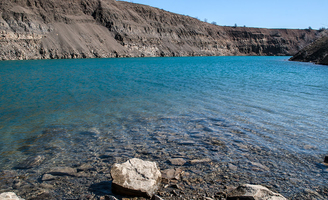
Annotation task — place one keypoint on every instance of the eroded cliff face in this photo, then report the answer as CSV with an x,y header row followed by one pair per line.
x,y
51,29
316,52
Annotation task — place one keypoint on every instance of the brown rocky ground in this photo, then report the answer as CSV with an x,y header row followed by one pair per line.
x,y
316,52
50,29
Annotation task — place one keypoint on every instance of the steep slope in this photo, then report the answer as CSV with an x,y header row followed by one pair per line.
x,y
48,29
316,52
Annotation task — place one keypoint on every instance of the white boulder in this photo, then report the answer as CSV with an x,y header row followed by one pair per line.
x,y
136,178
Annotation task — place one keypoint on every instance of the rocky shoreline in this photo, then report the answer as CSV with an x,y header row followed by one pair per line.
x,y
134,179
53,29
84,168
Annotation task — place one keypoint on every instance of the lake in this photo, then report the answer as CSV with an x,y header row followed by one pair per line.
x,y
264,115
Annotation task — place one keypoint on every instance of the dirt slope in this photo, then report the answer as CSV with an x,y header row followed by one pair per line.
x,y
48,29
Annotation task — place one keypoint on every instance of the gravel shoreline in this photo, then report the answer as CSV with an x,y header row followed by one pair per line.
x,y
77,166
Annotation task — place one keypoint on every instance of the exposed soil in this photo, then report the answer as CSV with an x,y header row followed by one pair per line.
x,y
53,29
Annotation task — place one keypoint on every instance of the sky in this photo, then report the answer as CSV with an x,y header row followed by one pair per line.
x,y
299,14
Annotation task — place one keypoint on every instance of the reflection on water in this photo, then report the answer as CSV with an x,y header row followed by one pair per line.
x,y
264,115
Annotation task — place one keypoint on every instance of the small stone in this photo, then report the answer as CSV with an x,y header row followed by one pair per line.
x,y
82,174
46,186
259,166
254,192
9,196
187,142
177,161
308,147
85,167
63,171
295,180
108,197
136,178
232,167
48,177
171,174
31,162
156,197
200,161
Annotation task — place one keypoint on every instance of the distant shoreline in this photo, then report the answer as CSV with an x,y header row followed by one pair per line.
x,y
122,29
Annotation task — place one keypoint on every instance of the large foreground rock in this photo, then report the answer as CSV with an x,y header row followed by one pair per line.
x,y
9,196
136,178
254,192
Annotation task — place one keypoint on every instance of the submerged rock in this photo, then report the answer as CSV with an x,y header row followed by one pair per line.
x,y
31,162
172,174
177,161
232,167
136,178
62,171
48,177
254,192
196,161
108,197
9,196
259,166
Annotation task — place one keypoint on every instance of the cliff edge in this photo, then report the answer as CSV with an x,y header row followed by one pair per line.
x,y
54,29
316,52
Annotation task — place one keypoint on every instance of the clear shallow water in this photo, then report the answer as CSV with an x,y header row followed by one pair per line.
x,y
231,109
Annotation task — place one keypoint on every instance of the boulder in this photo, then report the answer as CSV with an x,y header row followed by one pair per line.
x,y
253,192
136,178
9,196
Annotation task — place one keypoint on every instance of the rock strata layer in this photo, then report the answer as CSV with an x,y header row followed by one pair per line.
x,y
316,52
136,178
53,29
254,192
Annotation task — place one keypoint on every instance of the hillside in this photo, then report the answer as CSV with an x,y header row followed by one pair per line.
x,y
53,29
316,52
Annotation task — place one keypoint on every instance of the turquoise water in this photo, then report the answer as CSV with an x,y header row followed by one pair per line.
x,y
267,102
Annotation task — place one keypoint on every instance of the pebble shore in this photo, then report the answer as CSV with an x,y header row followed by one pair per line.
x,y
199,165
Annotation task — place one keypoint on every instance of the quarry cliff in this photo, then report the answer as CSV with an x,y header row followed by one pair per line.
x,y
55,29
316,52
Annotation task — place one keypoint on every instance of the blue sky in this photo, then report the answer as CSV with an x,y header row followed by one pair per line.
x,y
253,13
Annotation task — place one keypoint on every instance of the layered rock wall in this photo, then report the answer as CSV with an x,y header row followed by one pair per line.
x,y
316,52
53,29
